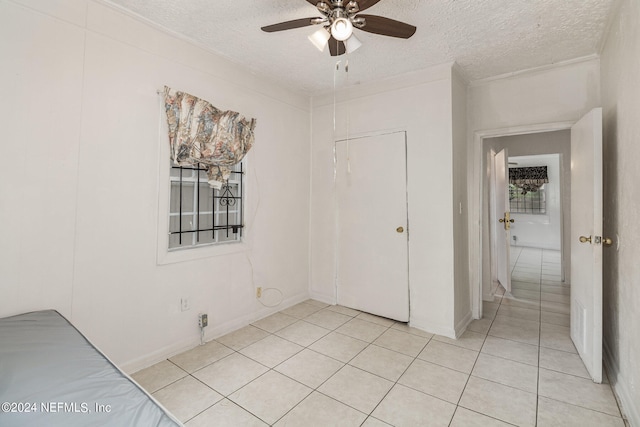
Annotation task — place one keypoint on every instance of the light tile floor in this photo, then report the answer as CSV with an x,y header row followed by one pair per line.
x,y
319,365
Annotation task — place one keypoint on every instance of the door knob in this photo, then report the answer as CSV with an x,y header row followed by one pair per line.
x,y
400,229
598,240
506,220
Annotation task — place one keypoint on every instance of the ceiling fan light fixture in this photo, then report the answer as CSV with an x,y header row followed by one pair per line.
x,y
320,39
341,29
352,43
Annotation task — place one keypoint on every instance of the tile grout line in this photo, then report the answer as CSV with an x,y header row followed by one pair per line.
x,y
396,381
473,367
347,363
372,342
367,416
269,369
190,374
316,389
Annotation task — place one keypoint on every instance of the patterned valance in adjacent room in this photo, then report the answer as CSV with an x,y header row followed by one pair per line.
x,y
199,133
529,179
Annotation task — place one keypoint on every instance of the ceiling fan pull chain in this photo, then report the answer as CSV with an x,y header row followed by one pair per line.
x,y
348,100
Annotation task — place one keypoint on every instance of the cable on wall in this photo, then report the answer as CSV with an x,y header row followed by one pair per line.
x,y
272,305
253,282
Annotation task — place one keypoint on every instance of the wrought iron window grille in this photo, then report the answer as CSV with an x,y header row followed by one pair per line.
x,y
225,209
530,202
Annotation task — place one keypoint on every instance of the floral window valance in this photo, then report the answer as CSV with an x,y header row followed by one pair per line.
x,y
201,133
528,179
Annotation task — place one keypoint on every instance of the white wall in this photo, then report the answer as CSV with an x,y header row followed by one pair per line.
x,y
80,181
527,102
620,89
462,304
420,104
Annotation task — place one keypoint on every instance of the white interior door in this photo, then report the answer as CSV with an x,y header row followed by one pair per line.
x,y
500,219
371,185
586,252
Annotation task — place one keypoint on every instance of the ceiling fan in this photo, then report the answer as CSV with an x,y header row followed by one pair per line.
x,y
338,20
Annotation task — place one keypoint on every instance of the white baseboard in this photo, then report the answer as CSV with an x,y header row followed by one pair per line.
x,y
461,326
432,328
488,297
620,387
159,355
537,245
327,299
211,334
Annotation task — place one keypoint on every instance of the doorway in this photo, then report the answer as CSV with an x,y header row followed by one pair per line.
x,y
583,313
538,220
541,218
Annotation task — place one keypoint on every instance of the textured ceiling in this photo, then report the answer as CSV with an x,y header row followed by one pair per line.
x,y
485,37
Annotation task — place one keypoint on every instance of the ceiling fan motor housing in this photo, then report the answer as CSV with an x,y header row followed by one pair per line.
x,y
338,7
337,14
339,17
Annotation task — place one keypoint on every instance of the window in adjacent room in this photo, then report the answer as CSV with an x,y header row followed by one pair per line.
x,y
527,202
200,215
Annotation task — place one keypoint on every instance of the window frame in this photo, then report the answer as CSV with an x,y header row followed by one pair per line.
x,y
542,191
164,255
194,182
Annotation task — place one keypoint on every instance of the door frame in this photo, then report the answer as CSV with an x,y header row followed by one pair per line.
x,y
477,216
493,243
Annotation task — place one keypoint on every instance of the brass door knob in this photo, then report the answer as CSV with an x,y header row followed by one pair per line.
x,y
584,239
502,220
607,241
400,229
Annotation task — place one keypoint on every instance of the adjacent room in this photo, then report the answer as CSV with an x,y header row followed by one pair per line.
x,y
306,212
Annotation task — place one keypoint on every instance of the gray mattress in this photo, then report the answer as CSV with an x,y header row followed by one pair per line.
x,y
51,375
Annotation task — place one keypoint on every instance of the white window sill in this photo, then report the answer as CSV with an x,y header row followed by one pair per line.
x,y
194,253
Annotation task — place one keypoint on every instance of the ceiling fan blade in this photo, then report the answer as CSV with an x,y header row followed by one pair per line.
x,y
387,27
362,4
288,25
336,48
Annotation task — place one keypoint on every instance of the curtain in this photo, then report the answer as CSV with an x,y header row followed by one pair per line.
x,y
199,133
528,179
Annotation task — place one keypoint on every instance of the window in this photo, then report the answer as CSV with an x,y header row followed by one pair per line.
x,y
200,215
531,202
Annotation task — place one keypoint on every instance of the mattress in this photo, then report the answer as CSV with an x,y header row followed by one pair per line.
x,y
51,375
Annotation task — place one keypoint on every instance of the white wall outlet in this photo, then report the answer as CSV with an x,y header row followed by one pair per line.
x,y
185,304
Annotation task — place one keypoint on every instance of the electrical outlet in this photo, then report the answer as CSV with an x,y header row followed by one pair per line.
x,y
259,292
184,304
203,320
